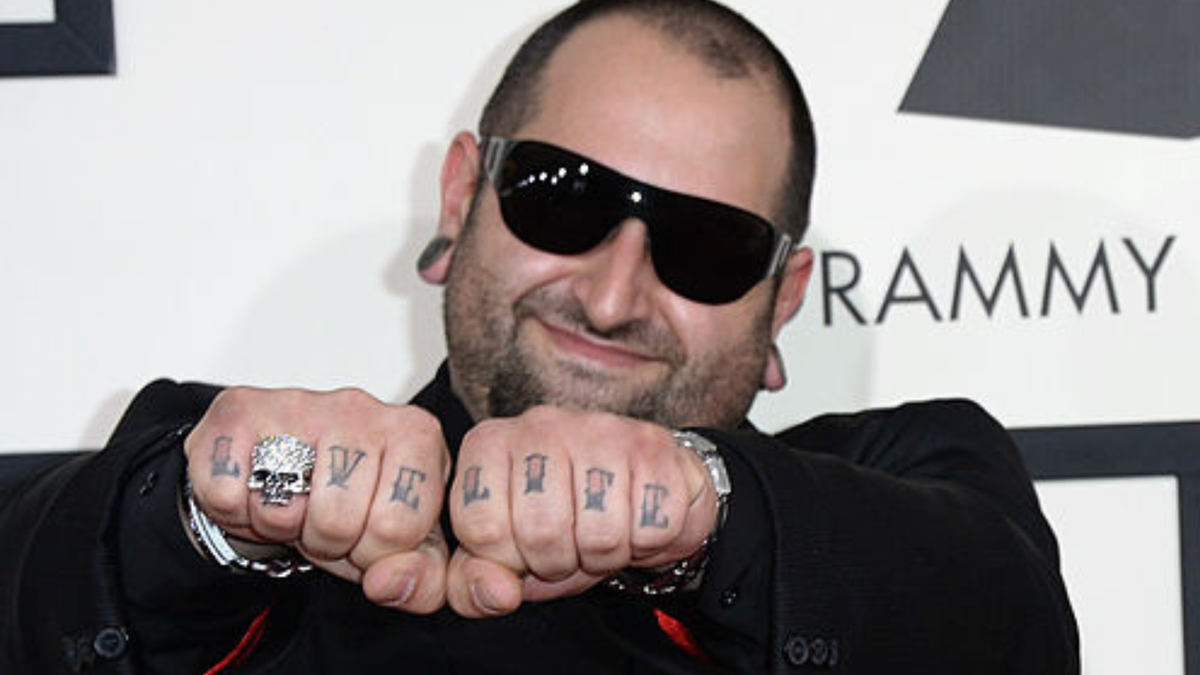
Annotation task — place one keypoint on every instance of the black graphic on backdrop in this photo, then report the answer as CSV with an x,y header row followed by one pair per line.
x,y
1115,65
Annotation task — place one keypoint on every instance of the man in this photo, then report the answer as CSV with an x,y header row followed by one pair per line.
x,y
577,490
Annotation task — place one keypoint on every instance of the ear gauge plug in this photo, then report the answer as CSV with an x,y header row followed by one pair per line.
x,y
433,252
774,374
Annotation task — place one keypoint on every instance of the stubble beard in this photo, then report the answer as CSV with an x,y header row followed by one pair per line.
x,y
497,374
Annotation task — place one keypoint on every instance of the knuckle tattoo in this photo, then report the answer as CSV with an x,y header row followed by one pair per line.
x,y
535,472
473,488
651,515
342,463
405,489
596,488
222,458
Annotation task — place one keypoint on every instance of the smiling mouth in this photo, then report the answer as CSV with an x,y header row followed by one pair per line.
x,y
578,346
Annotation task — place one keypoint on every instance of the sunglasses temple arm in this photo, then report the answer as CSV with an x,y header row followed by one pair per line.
x,y
495,150
783,249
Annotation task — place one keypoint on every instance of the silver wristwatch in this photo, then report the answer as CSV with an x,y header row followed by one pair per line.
x,y
215,545
683,574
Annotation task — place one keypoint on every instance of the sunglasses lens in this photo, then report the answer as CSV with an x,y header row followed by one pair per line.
x,y
709,253
550,202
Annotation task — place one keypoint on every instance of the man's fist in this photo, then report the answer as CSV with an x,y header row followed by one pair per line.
x,y
548,503
377,486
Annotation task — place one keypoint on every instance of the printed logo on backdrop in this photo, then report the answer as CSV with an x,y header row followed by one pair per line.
x,y
1115,65
1107,276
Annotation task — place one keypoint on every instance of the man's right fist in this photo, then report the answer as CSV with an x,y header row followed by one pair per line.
x,y
377,486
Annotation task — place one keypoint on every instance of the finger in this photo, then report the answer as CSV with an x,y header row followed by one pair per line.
x,y
537,590
408,490
658,502
218,454
278,487
480,509
343,484
218,462
343,569
413,581
543,512
477,587
602,507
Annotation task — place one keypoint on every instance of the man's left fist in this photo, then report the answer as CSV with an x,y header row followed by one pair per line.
x,y
551,502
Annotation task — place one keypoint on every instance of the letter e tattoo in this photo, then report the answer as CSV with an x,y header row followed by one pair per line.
x,y
652,496
403,488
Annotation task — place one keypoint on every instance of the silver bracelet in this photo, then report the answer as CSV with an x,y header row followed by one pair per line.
x,y
683,574
213,544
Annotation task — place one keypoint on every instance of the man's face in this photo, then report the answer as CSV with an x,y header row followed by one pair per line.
x,y
597,330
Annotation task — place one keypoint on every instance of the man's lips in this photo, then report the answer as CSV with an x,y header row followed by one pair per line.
x,y
606,353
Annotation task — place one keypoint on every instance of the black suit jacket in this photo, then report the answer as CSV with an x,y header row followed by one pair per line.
x,y
906,540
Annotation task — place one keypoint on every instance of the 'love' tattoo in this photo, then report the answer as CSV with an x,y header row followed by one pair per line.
x,y
222,458
404,489
535,472
598,482
473,491
341,464
652,495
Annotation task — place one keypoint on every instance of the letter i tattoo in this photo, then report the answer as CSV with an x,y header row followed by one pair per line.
x,y
535,473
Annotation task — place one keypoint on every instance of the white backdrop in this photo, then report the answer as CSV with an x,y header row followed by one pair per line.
x,y
243,202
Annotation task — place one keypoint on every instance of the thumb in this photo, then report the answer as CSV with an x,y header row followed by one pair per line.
x,y
413,581
477,587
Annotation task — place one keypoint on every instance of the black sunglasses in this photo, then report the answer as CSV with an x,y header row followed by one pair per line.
x,y
560,202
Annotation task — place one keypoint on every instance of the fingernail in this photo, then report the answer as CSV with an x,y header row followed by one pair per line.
x,y
433,251
483,599
403,586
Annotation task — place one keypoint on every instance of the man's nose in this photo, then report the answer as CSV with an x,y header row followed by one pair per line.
x,y
617,278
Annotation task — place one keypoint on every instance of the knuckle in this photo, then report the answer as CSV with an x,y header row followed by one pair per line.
x,y
233,398
220,503
280,523
353,403
394,532
601,540
322,549
542,528
482,533
484,434
541,414
331,526
417,419
353,397
412,425
651,539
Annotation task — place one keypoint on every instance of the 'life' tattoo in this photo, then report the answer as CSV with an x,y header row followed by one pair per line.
x,y
472,490
535,472
652,496
598,482
342,464
404,489
222,459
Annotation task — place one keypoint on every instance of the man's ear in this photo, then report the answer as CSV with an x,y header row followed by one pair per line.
x,y
792,286
460,176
